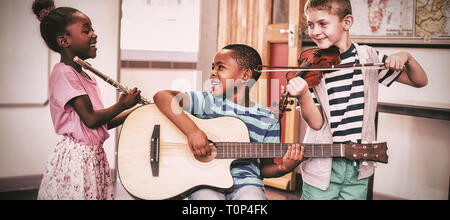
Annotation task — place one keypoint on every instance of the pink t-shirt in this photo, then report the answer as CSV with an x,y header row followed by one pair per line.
x,y
66,84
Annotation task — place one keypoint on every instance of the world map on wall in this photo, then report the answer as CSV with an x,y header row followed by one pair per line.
x,y
432,18
383,18
401,18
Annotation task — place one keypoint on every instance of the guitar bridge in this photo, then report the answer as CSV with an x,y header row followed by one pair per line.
x,y
154,150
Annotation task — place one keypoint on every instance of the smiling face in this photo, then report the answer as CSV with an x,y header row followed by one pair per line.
x,y
83,40
327,29
226,74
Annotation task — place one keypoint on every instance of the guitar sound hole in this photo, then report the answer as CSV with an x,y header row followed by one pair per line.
x,y
208,158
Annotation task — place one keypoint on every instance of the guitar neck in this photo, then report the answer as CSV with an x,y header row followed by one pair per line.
x,y
228,150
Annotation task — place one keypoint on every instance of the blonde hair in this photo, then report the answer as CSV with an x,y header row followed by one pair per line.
x,y
341,8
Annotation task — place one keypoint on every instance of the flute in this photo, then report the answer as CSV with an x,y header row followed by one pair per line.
x,y
107,79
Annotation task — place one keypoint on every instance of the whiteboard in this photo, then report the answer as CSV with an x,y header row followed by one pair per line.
x,y
26,81
160,25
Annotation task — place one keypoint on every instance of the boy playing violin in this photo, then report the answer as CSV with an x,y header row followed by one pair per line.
x,y
347,101
234,72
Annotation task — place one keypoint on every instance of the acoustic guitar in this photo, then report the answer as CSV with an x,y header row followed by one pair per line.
x,y
155,162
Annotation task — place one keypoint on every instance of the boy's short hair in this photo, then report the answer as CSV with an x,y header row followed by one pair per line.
x,y
247,58
341,8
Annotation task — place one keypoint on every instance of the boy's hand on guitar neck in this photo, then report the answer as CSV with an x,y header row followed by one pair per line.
x,y
198,143
292,158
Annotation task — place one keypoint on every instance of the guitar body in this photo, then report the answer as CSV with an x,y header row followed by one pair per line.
x,y
179,170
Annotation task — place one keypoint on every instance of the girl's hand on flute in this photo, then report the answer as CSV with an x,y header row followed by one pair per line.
x,y
130,99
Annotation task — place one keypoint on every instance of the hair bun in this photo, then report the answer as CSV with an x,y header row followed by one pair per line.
x,y
41,8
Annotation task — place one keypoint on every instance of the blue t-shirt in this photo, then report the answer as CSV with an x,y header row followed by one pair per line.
x,y
261,123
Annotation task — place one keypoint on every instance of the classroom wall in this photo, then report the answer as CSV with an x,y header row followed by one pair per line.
x,y
435,61
419,151
419,158
172,79
27,136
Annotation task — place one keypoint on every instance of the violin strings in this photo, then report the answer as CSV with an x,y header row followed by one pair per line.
x,y
324,69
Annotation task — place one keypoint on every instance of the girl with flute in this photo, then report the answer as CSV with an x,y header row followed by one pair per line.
x,y
77,168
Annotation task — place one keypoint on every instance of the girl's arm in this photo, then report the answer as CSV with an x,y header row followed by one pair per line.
x,y
96,118
414,75
118,120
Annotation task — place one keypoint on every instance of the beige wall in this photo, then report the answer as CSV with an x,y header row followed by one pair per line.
x,y
150,81
419,157
419,152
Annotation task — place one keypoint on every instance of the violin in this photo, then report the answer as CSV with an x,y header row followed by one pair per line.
x,y
314,58
313,64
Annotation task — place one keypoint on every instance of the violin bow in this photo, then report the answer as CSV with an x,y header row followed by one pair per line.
x,y
329,68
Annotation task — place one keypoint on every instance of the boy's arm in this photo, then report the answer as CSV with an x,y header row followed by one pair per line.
x,y
413,73
171,104
310,111
298,87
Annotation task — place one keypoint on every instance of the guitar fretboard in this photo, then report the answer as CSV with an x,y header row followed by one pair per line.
x,y
228,150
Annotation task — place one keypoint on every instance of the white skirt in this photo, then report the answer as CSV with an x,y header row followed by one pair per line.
x,y
76,172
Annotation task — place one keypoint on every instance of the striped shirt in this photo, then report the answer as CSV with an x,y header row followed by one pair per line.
x,y
261,123
345,89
